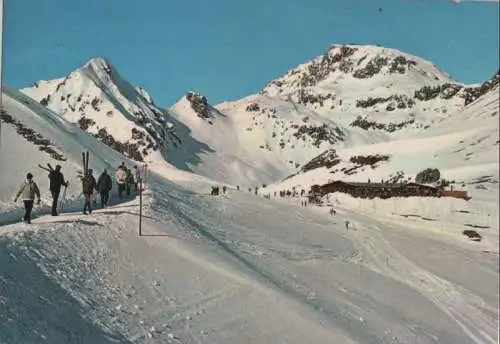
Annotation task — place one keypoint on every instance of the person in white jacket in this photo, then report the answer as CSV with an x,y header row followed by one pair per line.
x,y
29,190
121,178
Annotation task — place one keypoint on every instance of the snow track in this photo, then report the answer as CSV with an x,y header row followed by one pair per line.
x,y
474,316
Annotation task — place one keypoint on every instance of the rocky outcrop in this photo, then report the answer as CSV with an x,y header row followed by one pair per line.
x,y
366,124
44,145
364,160
132,150
372,68
471,94
444,91
428,176
253,107
307,97
318,71
399,101
199,104
85,123
400,64
328,159
320,134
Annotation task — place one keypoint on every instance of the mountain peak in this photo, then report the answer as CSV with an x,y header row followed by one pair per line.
x,y
99,63
356,63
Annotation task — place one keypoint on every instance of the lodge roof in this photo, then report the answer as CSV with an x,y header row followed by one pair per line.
x,y
380,185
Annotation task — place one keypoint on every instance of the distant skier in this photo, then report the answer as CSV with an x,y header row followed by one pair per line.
x,y
237,188
88,186
104,186
224,188
56,180
346,225
120,180
29,190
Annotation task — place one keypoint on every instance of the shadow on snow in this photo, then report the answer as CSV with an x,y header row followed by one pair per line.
x,y
35,309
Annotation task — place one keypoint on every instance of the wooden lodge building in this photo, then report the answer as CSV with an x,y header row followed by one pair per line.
x,y
382,190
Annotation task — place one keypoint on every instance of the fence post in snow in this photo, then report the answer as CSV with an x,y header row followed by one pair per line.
x,y
140,208
142,183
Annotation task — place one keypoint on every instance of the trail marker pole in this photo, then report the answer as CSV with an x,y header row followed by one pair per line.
x,y
140,208
142,184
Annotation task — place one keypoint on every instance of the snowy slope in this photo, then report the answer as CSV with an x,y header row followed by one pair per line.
x,y
231,269
209,271
257,139
464,147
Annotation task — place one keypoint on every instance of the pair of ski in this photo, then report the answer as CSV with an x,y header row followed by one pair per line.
x,y
85,161
63,198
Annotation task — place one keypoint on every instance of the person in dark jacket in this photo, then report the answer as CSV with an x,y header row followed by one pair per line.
x,y
56,179
129,180
88,186
28,190
104,186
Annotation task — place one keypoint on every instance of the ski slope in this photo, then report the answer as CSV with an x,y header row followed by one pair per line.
x,y
237,268
207,270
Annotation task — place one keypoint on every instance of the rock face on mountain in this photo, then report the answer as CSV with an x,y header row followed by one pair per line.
x,y
199,104
104,104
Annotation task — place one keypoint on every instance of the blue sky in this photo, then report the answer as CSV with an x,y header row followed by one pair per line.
x,y
227,49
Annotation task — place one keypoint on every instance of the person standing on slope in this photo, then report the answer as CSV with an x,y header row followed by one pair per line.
x,y
104,186
88,186
121,178
137,176
29,190
56,180
129,180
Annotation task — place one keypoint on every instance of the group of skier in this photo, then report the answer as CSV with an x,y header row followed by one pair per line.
x,y
125,179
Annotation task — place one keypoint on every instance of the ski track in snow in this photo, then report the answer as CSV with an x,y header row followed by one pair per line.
x,y
471,312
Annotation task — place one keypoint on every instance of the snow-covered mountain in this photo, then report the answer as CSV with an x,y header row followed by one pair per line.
x,y
101,102
238,268
350,96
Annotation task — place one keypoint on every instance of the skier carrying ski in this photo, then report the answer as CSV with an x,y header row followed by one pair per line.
x,y
137,175
104,186
129,180
29,190
120,180
88,186
56,180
